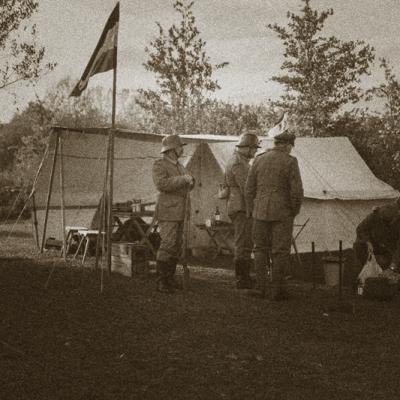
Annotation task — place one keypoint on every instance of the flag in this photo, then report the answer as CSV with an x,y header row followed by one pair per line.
x,y
104,56
280,126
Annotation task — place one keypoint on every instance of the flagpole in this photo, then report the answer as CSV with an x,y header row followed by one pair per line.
x,y
111,162
103,59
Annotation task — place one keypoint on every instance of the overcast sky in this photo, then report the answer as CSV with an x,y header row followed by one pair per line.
x,y
235,31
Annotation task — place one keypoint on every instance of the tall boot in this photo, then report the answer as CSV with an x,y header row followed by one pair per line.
x,y
248,282
240,278
261,276
171,275
279,292
163,284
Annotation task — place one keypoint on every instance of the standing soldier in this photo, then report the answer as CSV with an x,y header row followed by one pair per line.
x,y
274,192
174,184
235,178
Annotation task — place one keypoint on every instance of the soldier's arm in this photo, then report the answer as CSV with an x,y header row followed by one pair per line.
x,y
365,226
396,256
240,176
165,183
250,189
296,187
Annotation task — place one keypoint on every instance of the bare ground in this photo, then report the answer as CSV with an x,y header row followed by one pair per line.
x,y
71,341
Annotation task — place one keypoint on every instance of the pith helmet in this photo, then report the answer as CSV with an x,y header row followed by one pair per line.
x,y
285,138
248,139
171,142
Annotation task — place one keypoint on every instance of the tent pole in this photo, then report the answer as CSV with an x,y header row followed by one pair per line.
x,y
110,200
111,164
101,226
51,179
35,221
62,192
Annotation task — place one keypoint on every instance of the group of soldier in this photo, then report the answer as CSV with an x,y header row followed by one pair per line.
x,y
262,202
263,198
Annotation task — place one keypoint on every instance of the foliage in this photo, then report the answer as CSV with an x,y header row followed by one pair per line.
x,y
21,57
183,74
379,150
386,147
27,133
323,74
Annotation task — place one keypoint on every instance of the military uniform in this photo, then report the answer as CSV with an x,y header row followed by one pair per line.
x,y
274,194
170,179
382,229
235,178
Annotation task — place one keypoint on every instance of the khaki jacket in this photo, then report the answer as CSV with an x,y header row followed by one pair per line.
x,y
236,172
173,189
274,189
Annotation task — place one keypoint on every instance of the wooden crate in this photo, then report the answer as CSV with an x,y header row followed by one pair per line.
x,y
129,258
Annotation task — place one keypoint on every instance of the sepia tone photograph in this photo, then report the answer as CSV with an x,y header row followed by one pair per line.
x,y
199,199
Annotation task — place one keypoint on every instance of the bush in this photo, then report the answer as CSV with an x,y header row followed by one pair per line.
x,y
12,202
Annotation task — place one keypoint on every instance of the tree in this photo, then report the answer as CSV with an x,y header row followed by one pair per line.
x,y
183,73
389,92
28,131
386,147
21,57
323,74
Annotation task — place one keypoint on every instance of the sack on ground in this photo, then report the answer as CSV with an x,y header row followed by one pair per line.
x,y
392,276
379,288
371,269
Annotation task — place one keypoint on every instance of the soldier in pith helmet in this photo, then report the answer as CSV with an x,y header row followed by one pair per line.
x,y
235,178
174,184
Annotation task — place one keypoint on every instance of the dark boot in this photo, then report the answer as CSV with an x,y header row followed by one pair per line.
x,y
163,284
239,273
237,266
247,281
171,275
279,292
261,277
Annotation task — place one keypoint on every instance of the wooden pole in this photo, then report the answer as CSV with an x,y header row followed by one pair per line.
x,y
110,200
62,192
340,270
111,162
101,226
313,264
35,221
51,179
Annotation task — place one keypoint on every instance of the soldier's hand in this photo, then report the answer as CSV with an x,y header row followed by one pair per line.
x,y
189,179
393,267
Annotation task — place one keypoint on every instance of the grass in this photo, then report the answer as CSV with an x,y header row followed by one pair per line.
x,y
69,341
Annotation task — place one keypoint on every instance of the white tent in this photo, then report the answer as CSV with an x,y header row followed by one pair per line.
x,y
339,187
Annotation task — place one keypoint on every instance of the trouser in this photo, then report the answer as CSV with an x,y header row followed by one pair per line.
x,y
274,237
171,234
243,246
242,235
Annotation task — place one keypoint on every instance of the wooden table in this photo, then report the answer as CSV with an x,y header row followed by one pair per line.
x,y
219,233
129,214
86,235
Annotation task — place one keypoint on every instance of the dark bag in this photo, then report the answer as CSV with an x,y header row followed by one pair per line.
x,y
223,190
379,288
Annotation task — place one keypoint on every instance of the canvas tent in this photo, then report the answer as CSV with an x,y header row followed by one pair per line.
x,y
339,187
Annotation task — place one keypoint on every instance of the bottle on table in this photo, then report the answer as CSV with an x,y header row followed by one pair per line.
x,y
217,215
360,287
